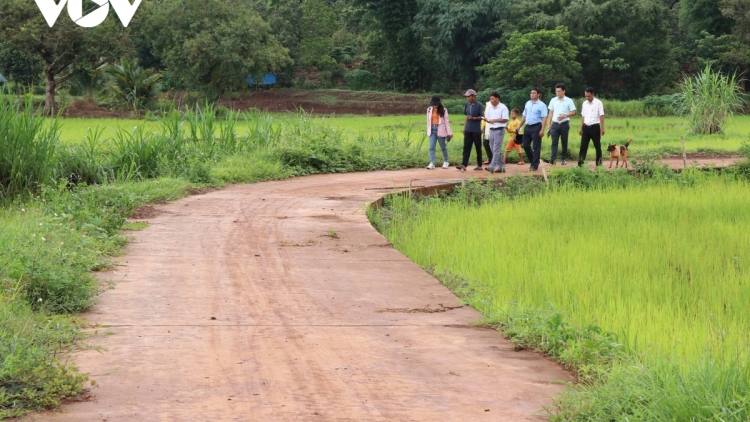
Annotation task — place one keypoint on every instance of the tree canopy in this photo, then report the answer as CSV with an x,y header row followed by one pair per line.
x,y
540,59
624,48
211,45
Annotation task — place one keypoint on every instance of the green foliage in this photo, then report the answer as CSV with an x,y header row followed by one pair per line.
x,y
65,48
19,66
49,244
360,80
32,375
541,58
633,38
709,100
27,149
133,85
211,45
88,84
401,59
318,25
700,16
461,34
656,389
662,105
326,152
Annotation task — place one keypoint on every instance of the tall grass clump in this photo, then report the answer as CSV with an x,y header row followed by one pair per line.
x,y
638,284
27,148
709,101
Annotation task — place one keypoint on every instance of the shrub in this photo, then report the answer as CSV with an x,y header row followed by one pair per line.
x,y
27,148
361,80
709,100
133,85
661,105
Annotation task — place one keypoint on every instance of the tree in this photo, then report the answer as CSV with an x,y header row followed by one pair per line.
x,y
132,84
402,61
65,48
318,26
20,67
731,52
211,45
637,58
542,59
700,16
461,33
284,17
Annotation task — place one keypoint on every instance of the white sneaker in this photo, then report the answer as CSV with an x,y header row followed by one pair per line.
x,y
446,164
431,166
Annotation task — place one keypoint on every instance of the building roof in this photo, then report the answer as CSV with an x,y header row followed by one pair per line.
x,y
2,79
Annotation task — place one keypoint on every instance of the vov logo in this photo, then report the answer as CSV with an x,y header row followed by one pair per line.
x,y
124,10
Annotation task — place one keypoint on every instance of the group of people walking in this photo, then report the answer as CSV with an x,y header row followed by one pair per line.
x,y
494,119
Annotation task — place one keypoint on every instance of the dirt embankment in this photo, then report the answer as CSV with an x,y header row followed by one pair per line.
x,y
283,100
330,102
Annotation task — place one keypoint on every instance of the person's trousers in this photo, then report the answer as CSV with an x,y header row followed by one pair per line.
x,y
496,139
559,131
532,144
434,139
487,145
475,139
590,133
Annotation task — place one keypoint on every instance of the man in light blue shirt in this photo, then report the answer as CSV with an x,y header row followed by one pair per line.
x,y
561,109
534,115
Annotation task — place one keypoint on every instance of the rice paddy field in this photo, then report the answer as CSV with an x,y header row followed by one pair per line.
x,y
659,271
667,267
650,134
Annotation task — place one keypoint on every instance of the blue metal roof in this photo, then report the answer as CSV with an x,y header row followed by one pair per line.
x,y
268,79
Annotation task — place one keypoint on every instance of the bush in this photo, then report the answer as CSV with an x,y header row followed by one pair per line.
x,y
709,100
662,105
132,85
27,148
361,80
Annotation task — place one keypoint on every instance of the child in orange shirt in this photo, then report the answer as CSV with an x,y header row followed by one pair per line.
x,y
513,127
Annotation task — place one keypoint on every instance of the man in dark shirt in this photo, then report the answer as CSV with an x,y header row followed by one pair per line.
x,y
472,129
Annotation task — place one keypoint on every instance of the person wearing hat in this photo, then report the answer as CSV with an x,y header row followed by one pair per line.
x,y
438,129
472,129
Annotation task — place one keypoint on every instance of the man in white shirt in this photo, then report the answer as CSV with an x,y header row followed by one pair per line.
x,y
561,109
592,127
496,116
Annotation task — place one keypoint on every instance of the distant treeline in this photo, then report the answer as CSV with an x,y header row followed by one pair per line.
x,y
626,49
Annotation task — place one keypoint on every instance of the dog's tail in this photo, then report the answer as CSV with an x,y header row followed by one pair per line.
x,y
627,144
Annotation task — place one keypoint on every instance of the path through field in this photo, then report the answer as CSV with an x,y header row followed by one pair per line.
x,y
238,305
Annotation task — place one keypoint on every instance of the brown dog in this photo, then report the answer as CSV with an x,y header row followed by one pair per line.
x,y
616,152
